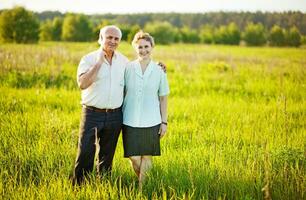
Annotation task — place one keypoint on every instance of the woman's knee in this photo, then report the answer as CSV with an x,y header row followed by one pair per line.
x,y
147,159
135,159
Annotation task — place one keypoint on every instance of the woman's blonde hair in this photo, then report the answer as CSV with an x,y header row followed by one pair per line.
x,y
143,35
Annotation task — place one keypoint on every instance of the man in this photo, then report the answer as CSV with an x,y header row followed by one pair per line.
x,y
100,76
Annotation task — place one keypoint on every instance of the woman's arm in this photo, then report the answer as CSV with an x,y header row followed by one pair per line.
x,y
163,111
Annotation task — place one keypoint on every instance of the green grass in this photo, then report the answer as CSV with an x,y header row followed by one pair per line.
x,y
236,125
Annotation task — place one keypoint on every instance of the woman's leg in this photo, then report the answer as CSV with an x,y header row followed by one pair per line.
x,y
136,162
145,165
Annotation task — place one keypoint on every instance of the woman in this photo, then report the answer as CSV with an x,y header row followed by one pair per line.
x,y
144,107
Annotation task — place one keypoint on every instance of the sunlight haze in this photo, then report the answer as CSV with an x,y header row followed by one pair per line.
x,y
138,6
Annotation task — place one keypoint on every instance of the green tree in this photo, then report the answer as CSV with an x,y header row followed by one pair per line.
x,y
163,32
293,37
6,27
227,34
233,34
189,36
133,31
125,29
96,30
18,25
195,21
51,30
303,40
277,36
57,25
46,29
207,34
76,28
220,36
254,34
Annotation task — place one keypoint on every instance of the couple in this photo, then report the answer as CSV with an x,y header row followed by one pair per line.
x,y
108,80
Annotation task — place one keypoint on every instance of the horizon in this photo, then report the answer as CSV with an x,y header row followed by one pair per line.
x,y
90,7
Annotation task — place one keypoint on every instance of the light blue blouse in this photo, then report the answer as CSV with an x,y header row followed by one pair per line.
x,y
141,106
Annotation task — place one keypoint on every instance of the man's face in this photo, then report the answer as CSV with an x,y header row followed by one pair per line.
x,y
111,40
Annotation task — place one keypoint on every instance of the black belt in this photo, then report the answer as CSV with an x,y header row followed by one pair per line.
x,y
104,110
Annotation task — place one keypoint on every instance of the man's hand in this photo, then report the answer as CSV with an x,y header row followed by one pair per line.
x,y
87,78
101,57
163,66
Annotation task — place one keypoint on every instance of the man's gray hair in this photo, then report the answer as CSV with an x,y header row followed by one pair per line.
x,y
103,32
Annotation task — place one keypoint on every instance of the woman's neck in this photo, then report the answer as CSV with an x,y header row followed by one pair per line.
x,y
144,62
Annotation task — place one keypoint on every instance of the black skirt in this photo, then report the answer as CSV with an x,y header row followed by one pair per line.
x,y
141,141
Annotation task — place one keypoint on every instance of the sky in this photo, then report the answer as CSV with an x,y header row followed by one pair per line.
x,y
142,6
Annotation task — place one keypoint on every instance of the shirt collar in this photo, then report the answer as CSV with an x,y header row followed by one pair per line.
x,y
115,54
148,69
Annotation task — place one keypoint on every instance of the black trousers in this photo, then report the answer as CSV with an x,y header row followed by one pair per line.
x,y
101,130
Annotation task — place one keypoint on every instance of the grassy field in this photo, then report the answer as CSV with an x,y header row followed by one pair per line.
x,y
237,125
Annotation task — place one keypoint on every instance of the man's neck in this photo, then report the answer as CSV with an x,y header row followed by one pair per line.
x,y
109,56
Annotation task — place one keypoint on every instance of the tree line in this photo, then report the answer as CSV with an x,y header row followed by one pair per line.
x,y
255,29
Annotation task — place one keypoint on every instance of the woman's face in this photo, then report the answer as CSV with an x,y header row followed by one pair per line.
x,y
143,49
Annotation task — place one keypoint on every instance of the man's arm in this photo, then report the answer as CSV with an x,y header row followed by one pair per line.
x,y
87,78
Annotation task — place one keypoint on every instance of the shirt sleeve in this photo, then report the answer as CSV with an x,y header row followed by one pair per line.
x,y
163,85
83,67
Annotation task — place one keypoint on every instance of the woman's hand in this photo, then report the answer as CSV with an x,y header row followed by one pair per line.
x,y
162,130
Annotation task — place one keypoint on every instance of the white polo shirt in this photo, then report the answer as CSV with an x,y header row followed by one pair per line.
x,y
107,90
141,106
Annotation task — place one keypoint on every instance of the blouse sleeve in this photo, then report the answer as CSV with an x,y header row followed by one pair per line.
x,y
163,85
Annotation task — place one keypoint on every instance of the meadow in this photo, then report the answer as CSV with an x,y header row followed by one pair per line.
x,y
237,125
